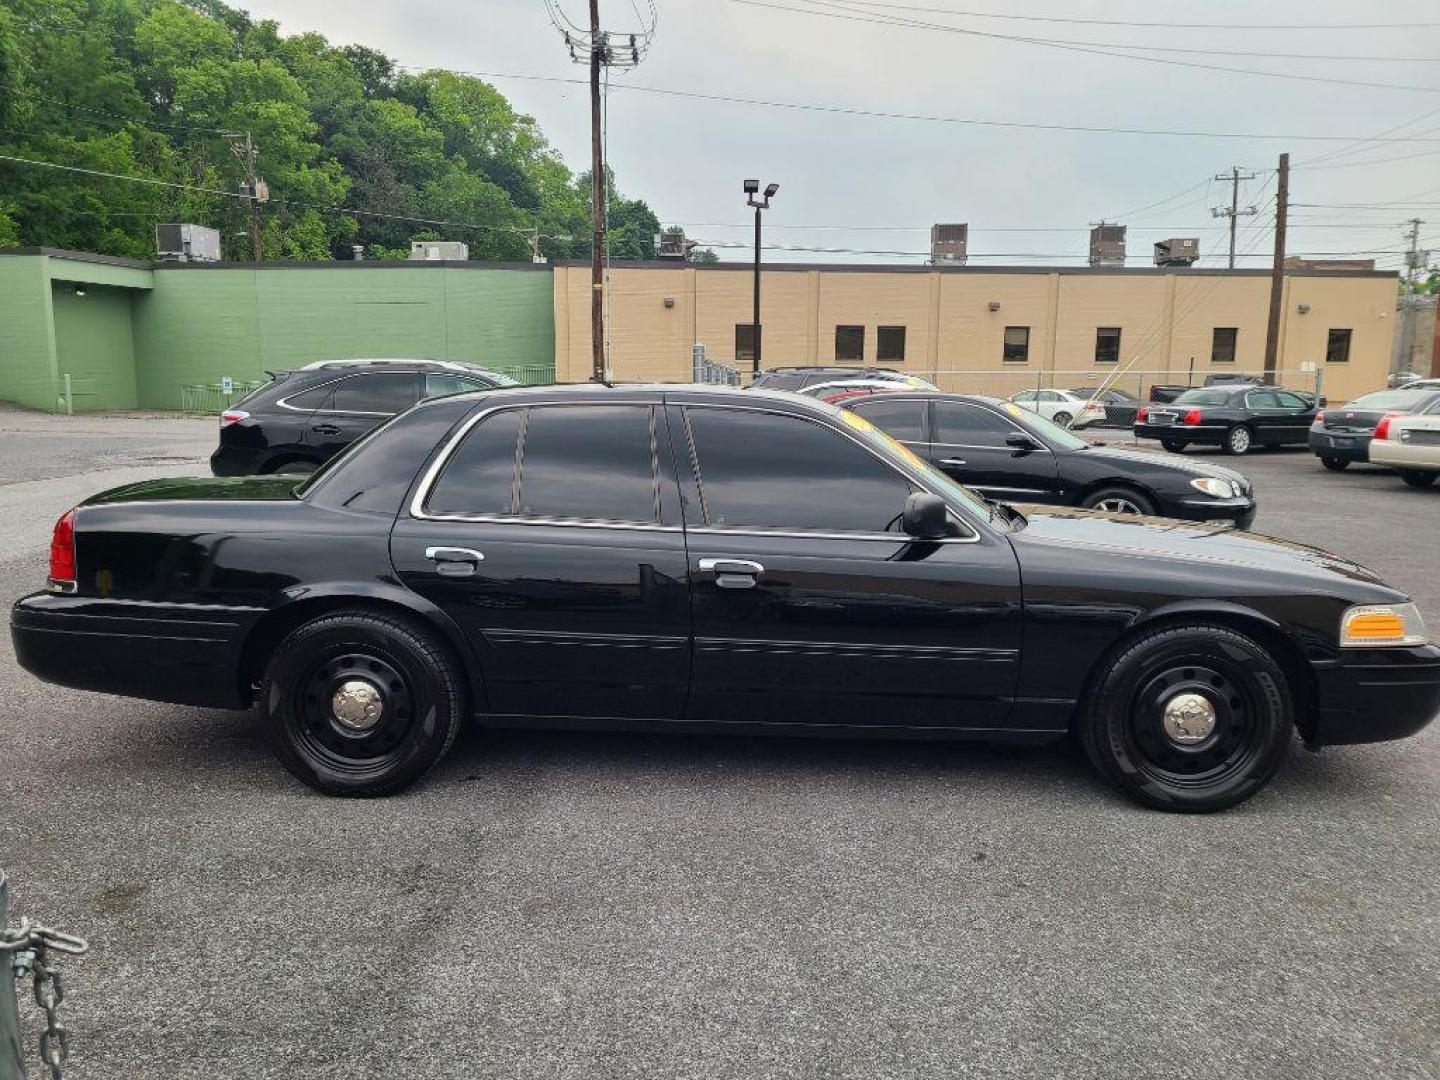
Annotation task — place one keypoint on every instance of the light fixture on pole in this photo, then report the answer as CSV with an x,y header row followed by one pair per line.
x,y
752,188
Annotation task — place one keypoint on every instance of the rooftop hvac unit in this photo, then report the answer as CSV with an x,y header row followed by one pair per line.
x,y
187,243
1179,251
948,244
439,251
1107,245
671,244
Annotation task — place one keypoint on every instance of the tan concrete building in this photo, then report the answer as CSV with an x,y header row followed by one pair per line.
x,y
988,329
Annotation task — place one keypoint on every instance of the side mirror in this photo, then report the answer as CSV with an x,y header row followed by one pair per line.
x,y
1021,441
926,517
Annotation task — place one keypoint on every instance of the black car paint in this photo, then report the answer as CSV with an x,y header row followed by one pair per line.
x,y
185,586
1344,432
1052,474
1271,426
276,434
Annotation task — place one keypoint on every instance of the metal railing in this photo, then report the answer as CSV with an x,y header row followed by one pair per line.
x,y
205,398
71,388
527,374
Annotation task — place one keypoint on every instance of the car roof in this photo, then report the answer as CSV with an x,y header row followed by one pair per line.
x,y
417,363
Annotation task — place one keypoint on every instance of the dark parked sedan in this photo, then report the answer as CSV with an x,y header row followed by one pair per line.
x,y
1342,434
1235,418
1009,453
798,378
301,419
1120,405
695,559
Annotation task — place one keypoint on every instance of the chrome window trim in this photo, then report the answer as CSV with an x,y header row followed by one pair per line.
x,y
284,402
436,467
908,474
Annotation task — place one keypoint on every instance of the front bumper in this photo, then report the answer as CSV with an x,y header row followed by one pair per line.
x,y
1345,447
1237,512
1372,695
183,654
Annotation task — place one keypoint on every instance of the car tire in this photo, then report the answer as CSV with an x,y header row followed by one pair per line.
x,y
1062,418
1418,478
1138,733
357,703
295,467
1335,464
1118,500
1239,440
1175,446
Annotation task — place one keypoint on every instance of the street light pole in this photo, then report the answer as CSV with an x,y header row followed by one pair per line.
x,y
752,187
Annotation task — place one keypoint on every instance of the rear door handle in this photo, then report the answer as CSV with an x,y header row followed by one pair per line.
x,y
732,573
325,429
954,462
454,561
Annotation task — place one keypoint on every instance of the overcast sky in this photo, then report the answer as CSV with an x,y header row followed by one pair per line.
x,y
687,157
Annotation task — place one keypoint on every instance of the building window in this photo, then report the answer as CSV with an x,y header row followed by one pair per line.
x,y
745,343
850,343
890,344
1017,345
1107,344
1222,344
1337,347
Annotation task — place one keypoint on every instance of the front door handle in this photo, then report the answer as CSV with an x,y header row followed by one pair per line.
x,y
953,462
454,561
325,429
732,573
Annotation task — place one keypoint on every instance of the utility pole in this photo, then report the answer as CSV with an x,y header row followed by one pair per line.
x,y
1234,210
591,46
1277,270
254,189
752,188
1415,261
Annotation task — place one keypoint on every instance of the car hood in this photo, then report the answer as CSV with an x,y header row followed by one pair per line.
x,y
1165,461
192,488
1223,552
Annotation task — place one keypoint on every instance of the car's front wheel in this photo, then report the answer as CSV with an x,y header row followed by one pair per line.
x,y
1190,718
1239,440
1118,500
357,703
1335,464
1418,478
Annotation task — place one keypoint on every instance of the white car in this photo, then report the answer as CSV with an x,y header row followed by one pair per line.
x,y
1410,445
1061,407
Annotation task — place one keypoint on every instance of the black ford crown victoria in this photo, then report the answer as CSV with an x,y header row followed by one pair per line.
x,y
702,559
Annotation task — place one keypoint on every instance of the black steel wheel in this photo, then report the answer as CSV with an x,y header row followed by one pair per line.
x,y
1175,446
1118,500
1063,419
1189,718
1418,478
1239,440
357,703
1335,464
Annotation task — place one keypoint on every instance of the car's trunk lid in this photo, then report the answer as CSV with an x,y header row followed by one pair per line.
x,y
202,488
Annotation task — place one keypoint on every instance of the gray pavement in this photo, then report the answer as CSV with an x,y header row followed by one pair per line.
x,y
564,905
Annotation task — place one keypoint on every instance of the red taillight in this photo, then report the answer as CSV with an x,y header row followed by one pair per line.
x,y
1320,417
1191,417
62,553
1140,416
1382,429
233,416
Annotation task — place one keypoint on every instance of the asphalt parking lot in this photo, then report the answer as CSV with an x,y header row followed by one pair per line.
x,y
567,905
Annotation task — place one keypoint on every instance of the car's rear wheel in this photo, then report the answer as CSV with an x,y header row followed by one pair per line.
x,y
1418,478
1238,440
357,703
1190,718
1118,500
1335,464
1175,446
1063,419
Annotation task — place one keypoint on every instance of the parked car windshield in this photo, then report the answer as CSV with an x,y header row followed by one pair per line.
x,y
1202,397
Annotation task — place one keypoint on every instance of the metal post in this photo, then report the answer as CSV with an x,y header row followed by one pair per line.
x,y
12,1051
69,395
755,321
597,202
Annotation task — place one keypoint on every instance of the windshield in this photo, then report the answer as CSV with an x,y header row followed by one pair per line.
x,y
1392,399
1202,397
1033,422
894,450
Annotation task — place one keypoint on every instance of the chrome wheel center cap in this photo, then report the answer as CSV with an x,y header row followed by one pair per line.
x,y
1189,718
357,705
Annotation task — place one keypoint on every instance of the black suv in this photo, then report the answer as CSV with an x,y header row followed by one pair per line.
x,y
301,419
798,378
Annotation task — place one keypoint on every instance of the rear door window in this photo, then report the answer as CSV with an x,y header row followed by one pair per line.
x,y
383,392
589,461
903,420
479,478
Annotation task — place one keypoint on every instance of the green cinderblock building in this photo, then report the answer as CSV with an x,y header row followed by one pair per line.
x,y
133,334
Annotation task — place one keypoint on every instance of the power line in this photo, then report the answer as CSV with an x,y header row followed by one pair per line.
x,y
850,15
119,117
843,110
1152,25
